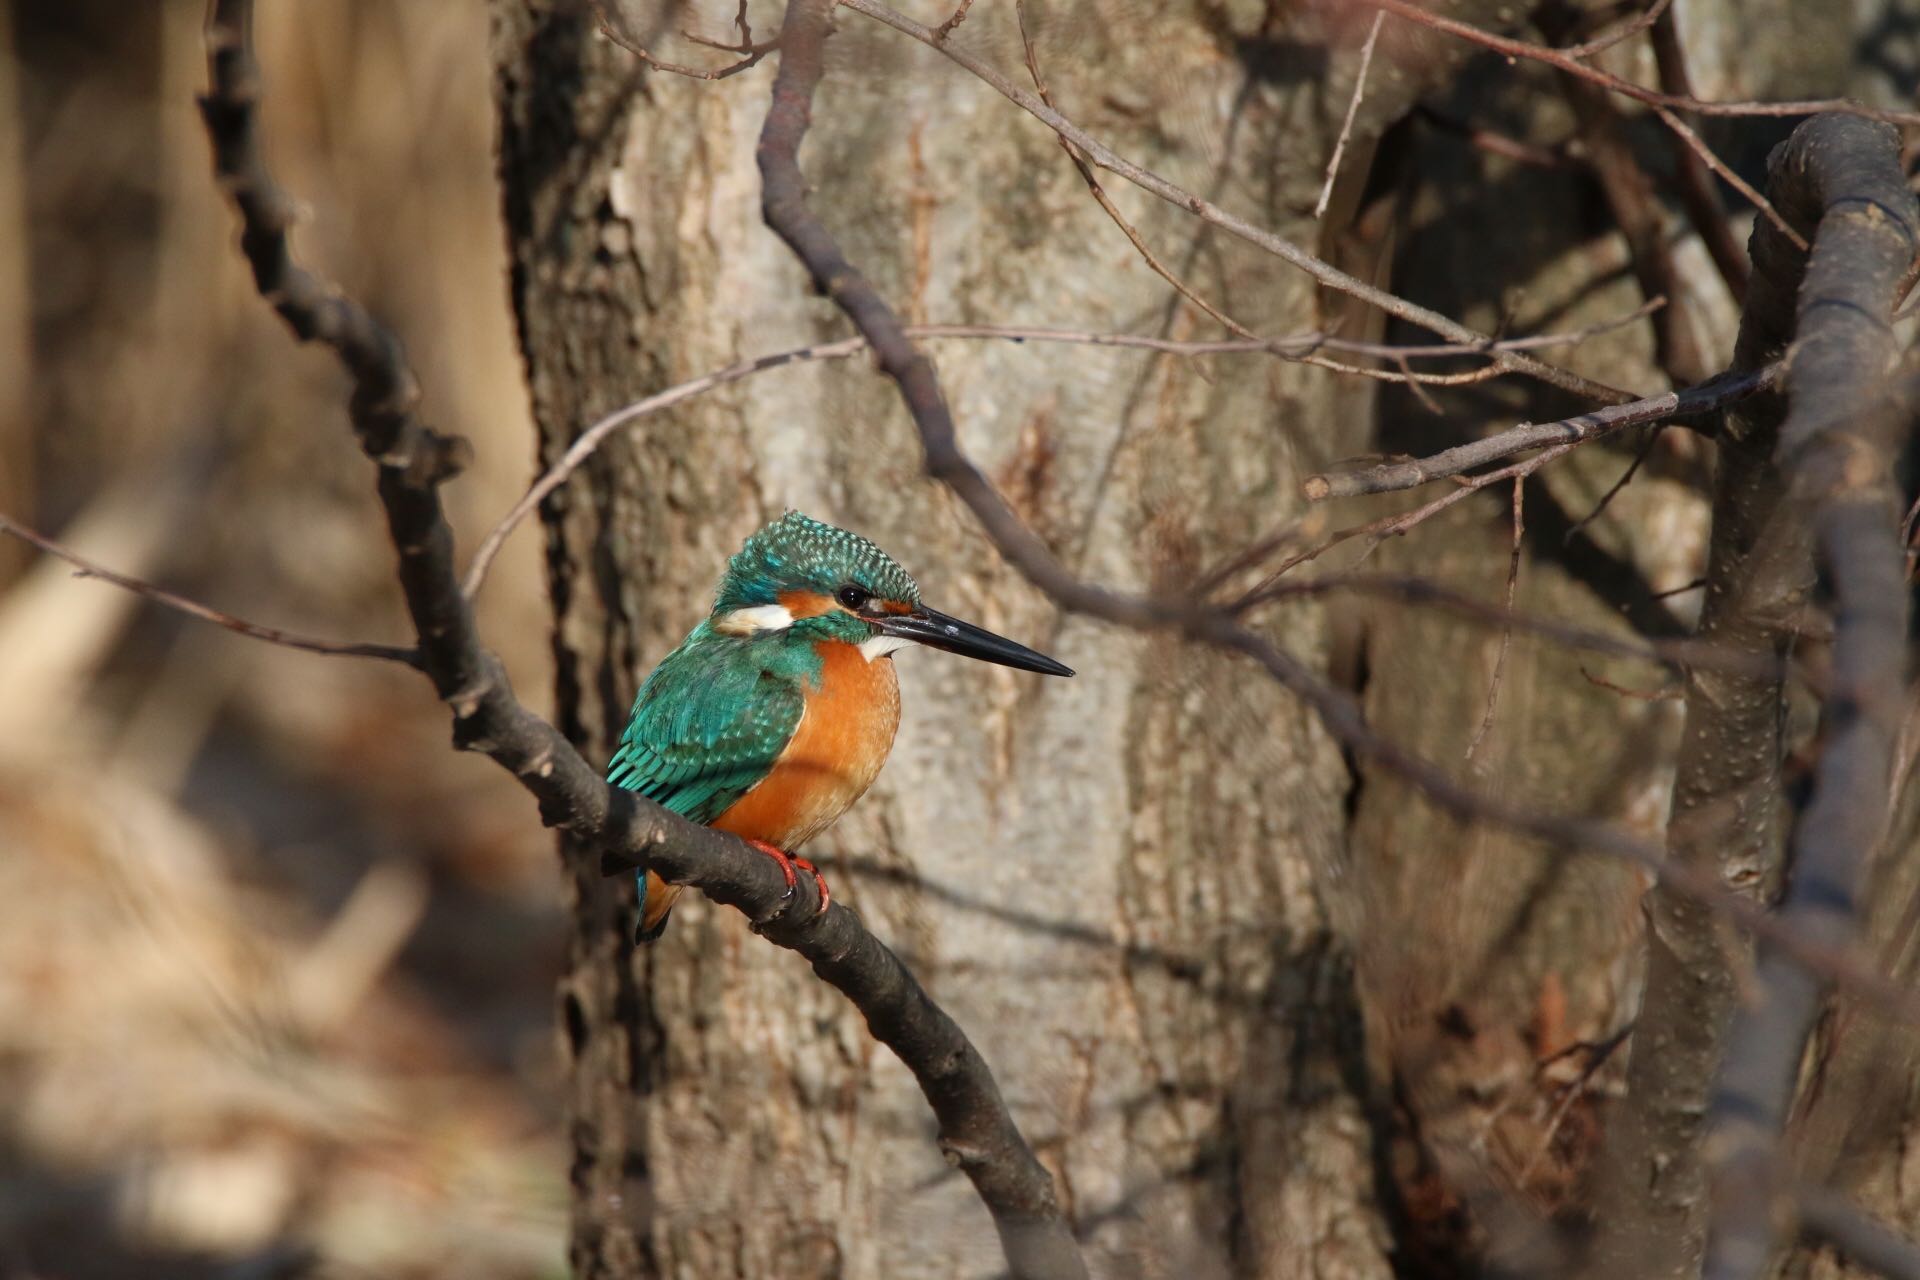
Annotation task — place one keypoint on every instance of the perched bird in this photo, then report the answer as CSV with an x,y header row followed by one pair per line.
x,y
776,712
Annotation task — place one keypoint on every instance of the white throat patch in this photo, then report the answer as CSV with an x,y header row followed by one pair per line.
x,y
752,621
880,646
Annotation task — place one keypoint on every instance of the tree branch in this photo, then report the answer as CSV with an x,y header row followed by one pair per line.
x,y
1837,461
1828,1217
1098,153
206,613
785,208
1568,60
413,461
1714,394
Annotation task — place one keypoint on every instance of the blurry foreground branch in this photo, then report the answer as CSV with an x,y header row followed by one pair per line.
x,y
1848,421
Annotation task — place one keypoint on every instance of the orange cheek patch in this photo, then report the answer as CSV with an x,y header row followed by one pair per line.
x,y
806,604
895,606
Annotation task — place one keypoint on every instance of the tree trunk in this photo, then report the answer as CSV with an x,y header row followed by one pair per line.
x,y
1114,883
1147,892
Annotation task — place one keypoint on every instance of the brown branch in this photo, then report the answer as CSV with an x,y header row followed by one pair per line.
x,y
615,30
1653,1204
1293,347
1099,154
1614,490
412,462
954,19
1625,31
1353,109
1698,196
1710,396
784,206
206,613
1506,633
1642,222
1016,1188
1566,61
1837,460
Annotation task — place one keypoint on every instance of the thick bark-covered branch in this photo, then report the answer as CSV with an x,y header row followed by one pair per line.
x,y
1727,809
1837,458
413,461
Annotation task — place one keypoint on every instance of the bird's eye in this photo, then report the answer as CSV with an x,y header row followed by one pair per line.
x,y
853,597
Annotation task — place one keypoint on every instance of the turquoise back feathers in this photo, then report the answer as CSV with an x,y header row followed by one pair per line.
x,y
710,721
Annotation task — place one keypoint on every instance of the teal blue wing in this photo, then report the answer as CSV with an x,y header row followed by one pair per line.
x,y
707,726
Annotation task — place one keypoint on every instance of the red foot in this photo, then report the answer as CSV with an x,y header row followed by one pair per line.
x,y
787,864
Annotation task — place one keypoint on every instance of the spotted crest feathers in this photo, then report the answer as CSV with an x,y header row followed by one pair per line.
x,y
797,551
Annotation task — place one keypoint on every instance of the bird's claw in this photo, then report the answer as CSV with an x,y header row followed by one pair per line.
x,y
788,863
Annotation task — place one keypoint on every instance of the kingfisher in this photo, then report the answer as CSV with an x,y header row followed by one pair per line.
x,y
776,712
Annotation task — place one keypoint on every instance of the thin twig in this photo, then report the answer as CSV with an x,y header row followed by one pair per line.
x,y
1641,218
1293,347
1698,194
954,19
206,613
1707,157
1106,158
1626,477
1711,395
1105,201
1625,31
1566,61
1506,633
1353,109
614,31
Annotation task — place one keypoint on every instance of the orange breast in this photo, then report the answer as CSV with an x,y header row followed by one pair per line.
x,y
837,750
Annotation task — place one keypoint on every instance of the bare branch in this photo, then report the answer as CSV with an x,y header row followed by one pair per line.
x,y
1293,347
1506,633
1353,109
1710,396
1625,31
1098,153
1837,460
615,30
1642,220
976,1131
1698,195
206,613
1017,1190
1568,61
785,208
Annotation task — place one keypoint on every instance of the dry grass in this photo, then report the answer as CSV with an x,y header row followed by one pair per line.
x,y
275,966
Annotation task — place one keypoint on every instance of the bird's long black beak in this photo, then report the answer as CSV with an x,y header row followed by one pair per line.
x,y
937,631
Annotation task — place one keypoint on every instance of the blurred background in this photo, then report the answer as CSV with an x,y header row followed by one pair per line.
x,y
276,968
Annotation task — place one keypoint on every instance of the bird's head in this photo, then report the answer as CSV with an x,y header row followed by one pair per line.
x,y
797,579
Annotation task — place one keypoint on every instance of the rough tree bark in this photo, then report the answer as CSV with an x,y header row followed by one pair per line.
x,y
1114,883
1139,891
